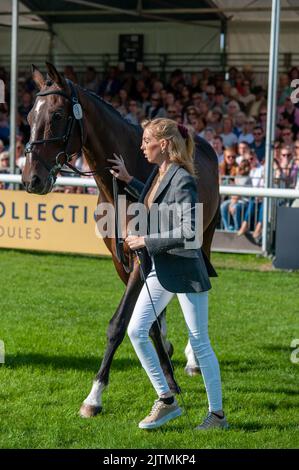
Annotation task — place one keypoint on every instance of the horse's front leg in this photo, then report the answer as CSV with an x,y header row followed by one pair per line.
x,y
116,331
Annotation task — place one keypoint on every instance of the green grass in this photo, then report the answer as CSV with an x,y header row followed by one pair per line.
x,y
54,315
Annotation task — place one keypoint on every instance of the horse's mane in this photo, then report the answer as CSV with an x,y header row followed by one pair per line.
x,y
111,108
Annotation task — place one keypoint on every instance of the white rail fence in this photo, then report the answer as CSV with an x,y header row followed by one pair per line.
x,y
224,190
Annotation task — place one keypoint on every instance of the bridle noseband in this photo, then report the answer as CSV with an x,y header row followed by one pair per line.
x,y
76,116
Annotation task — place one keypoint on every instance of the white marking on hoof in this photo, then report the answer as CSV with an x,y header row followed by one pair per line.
x,y
95,397
191,371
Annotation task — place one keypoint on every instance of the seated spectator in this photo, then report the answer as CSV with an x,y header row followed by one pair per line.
x,y
111,84
259,101
156,109
287,137
233,108
228,168
4,127
220,101
90,80
240,118
190,113
70,73
171,112
284,89
247,131
199,124
286,165
229,138
262,118
218,147
294,174
254,213
243,149
209,134
4,167
1,146
214,119
233,208
246,98
259,143
134,115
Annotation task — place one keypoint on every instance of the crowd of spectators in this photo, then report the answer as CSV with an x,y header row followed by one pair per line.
x,y
229,111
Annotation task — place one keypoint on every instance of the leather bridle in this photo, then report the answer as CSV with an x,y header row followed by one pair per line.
x,y
63,157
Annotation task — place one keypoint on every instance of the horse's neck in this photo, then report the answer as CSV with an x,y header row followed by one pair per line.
x,y
105,134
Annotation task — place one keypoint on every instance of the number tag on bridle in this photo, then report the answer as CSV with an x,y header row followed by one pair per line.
x,y
77,110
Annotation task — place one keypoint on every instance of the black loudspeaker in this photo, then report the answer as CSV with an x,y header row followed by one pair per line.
x,y
130,52
287,238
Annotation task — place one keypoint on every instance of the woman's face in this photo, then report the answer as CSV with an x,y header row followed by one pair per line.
x,y
152,147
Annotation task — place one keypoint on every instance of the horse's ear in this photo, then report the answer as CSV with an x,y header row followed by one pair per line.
x,y
37,76
55,75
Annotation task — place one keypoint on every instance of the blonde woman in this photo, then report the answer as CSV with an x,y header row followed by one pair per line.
x,y
174,269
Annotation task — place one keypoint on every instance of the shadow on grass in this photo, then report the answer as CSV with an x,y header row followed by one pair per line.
x,y
88,363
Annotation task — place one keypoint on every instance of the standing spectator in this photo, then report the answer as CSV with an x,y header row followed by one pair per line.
x,y
228,137
259,143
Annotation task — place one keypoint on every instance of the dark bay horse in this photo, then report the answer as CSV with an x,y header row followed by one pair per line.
x,y
59,129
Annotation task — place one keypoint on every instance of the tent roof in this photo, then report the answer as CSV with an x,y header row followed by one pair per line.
x,y
37,13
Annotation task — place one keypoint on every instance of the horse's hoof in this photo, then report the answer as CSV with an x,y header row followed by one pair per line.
x,y
89,411
191,371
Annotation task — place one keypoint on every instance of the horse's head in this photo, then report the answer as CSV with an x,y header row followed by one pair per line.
x,y
54,137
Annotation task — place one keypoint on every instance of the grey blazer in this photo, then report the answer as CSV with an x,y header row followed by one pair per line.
x,y
178,269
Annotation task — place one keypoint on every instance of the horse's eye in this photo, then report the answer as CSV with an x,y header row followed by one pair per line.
x,y
56,117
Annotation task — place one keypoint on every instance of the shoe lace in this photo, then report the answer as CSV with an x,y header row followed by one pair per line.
x,y
156,406
209,419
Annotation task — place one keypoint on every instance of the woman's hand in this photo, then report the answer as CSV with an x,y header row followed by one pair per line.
x,y
119,169
135,242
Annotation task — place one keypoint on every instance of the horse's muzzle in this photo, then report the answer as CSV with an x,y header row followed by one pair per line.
x,y
37,186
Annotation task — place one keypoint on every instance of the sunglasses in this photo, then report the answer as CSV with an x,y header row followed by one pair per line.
x,y
257,133
286,154
231,156
263,114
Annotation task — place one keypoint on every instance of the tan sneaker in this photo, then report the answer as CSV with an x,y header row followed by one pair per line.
x,y
160,414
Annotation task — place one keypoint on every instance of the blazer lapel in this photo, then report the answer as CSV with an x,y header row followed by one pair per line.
x,y
166,180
